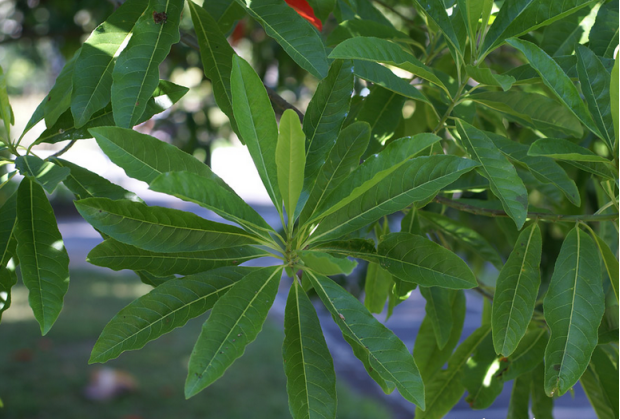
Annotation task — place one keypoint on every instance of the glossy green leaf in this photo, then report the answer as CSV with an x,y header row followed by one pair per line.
x,y
216,55
6,112
376,288
555,79
343,158
604,33
136,72
159,229
564,150
295,34
387,354
290,161
92,78
574,306
502,176
415,259
225,12
144,157
382,51
465,235
235,321
209,193
486,77
518,17
384,77
43,260
166,307
520,398
257,124
119,256
445,388
45,173
311,380
480,375
382,110
326,264
609,260
595,82
59,98
418,179
516,291
326,112
439,312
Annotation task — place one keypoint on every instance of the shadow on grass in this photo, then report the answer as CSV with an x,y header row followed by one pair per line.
x,y
46,376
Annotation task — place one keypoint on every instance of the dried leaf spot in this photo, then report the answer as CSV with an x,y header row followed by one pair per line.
x,y
160,18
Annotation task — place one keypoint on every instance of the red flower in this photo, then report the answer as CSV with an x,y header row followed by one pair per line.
x,y
305,11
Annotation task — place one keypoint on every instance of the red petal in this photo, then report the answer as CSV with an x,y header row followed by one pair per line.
x,y
305,11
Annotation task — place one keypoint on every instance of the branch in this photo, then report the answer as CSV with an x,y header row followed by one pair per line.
x,y
532,215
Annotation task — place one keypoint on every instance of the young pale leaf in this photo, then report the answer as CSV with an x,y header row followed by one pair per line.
x,y
485,76
564,150
290,161
445,388
42,256
418,179
604,33
376,288
216,55
387,354
326,264
59,98
516,291
235,321
555,79
136,72
518,407
45,173
439,312
119,256
311,380
502,175
210,194
6,112
384,77
92,78
385,52
415,259
168,306
326,112
257,124
296,36
159,229
574,306
595,82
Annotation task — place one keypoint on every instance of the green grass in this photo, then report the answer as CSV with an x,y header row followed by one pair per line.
x,y
46,376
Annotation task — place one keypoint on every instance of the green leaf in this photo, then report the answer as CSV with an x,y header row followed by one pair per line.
x,y
42,256
528,354
595,82
6,112
542,405
210,194
159,229
85,184
561,37
418,179
531,110
290,161
136,73
613,95
516,291
564,150
374,169
366,358
166,307
445,388
472,11
216,55
480,376
604,33
343,158
519,17
486,77
322,8
387,354
573,306
382,110
356,248
382,51
376,288
45,173
295,34
8,220
326,112
59,98
520,398
384,77
235,321
92,78
8,279
311,380
119,256
439,312
502,175
144,157
363,27
610,261
555,79
326,264
435,10
152,280
415,259
225,12
600,381
465,235
544,169
257,124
